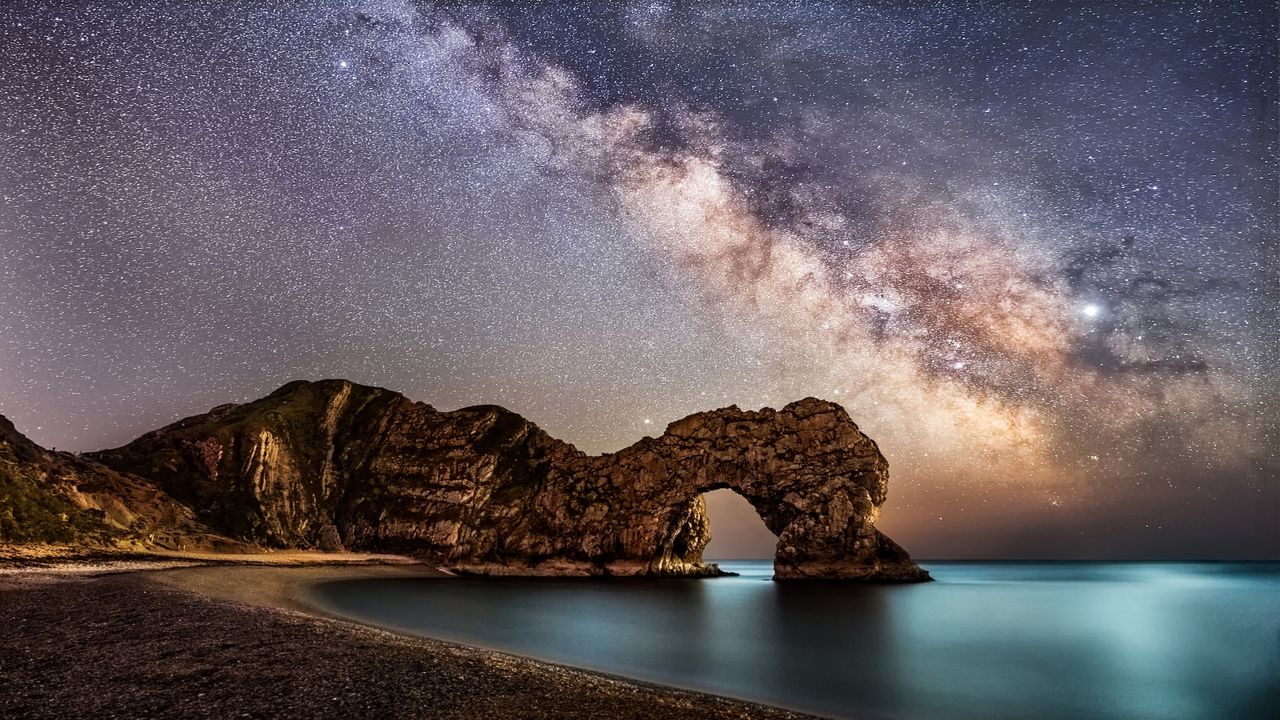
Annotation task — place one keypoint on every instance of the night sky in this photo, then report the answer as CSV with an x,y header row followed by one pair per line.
x,y
1031,247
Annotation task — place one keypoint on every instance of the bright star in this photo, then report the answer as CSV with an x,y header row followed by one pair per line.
x,y
344,64
1091,310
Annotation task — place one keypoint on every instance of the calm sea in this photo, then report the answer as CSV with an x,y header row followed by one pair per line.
x,y
987,640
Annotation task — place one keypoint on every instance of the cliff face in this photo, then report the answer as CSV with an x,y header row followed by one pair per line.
x,y
52,497
481,489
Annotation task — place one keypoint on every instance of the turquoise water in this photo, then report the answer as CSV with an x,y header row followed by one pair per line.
x,y
987,640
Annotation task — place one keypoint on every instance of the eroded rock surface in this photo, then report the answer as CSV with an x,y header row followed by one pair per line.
x,y
63,498
483,490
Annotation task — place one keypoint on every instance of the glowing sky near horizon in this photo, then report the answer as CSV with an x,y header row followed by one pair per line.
x,y
1032,248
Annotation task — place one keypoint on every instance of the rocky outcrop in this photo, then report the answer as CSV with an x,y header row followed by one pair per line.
x,y
333,464
53,497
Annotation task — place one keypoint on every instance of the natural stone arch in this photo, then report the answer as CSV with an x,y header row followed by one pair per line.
x,y
484,490
815,480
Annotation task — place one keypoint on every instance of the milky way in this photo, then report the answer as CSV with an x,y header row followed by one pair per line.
x,y
1031,248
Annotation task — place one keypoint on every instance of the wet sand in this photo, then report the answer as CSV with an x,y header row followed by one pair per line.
x,y
218,641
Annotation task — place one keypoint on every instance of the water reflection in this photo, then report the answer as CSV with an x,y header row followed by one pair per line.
x,y
1044,640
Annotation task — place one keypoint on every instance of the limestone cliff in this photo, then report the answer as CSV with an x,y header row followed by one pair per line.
x,y
481,489
53,497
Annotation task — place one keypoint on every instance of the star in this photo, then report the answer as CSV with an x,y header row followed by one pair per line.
x,y
586,216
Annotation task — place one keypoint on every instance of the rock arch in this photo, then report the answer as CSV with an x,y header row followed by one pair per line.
x,y
816,481
484,490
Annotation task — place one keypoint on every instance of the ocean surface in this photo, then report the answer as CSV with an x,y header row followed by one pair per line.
x,y
987,640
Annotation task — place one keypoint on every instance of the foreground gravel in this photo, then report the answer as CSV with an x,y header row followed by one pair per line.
x,y
121,646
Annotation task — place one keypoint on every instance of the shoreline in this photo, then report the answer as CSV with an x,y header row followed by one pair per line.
x,y
241,632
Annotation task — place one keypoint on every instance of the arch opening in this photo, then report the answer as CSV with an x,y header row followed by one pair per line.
x,y
737,530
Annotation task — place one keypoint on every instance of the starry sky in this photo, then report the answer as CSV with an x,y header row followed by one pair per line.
x,y
1030,246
